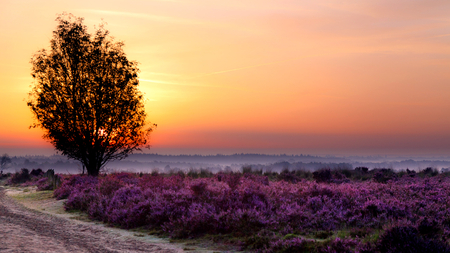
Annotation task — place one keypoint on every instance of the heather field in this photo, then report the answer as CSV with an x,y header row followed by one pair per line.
x,y
293,211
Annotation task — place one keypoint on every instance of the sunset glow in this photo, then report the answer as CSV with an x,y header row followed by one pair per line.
x,y
315,77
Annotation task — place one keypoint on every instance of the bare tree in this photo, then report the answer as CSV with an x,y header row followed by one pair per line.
x,y
85,96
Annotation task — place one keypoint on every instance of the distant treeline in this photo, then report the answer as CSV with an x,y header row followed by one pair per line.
x,y
235,162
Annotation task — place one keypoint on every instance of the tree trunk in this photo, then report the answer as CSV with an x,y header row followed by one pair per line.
x,y
92,171
93,168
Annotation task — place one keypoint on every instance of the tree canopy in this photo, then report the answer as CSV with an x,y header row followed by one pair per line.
x,y
85,96
4,161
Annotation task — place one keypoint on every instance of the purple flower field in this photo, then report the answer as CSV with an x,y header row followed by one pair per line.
x,y
387,212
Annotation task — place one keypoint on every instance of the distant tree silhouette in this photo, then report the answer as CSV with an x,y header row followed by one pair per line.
x,y
85,96
4,161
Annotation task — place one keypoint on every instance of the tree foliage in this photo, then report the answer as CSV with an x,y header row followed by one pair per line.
x,y
85,95
4,161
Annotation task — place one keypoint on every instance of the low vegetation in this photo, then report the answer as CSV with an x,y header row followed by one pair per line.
x,y
42,180
339,210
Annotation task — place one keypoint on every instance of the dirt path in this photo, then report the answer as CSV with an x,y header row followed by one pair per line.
x,y
25,230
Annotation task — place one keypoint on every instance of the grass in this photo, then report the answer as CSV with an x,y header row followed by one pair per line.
x,y
29,195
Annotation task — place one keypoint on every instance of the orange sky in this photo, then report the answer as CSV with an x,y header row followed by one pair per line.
x,y
316,77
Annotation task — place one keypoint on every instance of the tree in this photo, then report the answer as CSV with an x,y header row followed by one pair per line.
x,y
4,161
85,96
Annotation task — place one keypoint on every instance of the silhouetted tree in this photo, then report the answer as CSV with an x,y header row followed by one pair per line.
x,y
85,96
4,161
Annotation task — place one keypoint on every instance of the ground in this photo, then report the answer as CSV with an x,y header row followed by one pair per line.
x,y
25,229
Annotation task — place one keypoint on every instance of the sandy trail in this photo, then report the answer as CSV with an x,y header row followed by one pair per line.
x,y
26,230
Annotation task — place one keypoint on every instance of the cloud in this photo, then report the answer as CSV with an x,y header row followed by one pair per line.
x,y
163,74
235,69
158,18
442,35
158,81
182,84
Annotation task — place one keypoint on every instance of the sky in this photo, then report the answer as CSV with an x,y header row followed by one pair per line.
x,y
257,76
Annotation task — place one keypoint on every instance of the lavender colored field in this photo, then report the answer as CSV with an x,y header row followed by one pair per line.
x,y
290,212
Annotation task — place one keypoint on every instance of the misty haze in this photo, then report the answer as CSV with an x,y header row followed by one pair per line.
x,y
148,163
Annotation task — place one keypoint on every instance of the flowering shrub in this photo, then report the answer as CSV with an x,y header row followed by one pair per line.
x,y
408,239
71,183
36,177
290,245
339,245
275,216
323,175
43,184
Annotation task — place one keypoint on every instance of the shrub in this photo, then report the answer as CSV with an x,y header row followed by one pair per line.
x,y
407,239
322,176
43,184
431,172
81,198
362,169
71,183
304,174
128,207
109,185
261,240
202,173
289,176
247,169
339,245
36,172
20,177
429,228
271,216
411,173
7,175
291,245
384,175
233,180
198,187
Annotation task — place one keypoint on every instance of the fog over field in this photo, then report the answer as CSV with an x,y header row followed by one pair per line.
x,y
216,163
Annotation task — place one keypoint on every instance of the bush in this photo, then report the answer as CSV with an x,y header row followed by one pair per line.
x,y
232,180
73,182
431,172
20,177
411,173
43,184
272,216
430,229
289,176
7,175
291,245
36,172
384,175
322,176
108,186
401,239
362,170
339,245
198,187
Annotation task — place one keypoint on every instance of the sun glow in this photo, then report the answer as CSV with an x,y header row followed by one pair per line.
x,y
248,74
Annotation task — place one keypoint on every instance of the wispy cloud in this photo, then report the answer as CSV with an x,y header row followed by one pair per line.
x,y
158,81
259,65
241,68
442,35
163,74
235,69
182,84
159,18
189,84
